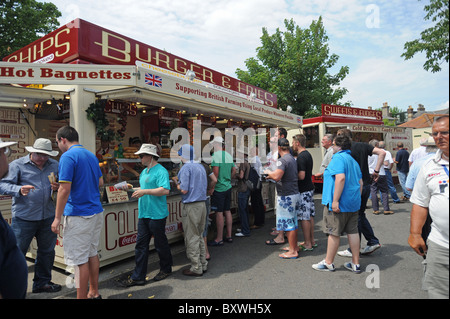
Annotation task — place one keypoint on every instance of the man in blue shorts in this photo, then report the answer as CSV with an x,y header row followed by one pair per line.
x,y
79,201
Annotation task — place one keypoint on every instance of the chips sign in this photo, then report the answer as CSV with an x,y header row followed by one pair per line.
x,y
83,42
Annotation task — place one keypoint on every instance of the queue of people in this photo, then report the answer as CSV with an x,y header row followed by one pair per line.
x,y
352,173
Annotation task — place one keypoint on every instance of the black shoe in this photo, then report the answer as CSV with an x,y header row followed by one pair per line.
x,y
50,287
161,275
131,282
188,272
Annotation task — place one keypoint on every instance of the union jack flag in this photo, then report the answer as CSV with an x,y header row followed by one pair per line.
x,y
153,80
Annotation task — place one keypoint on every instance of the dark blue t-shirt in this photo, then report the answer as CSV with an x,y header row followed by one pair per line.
x,y
402,159
13,267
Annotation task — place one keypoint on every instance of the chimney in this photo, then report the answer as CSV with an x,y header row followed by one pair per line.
x,y
385,110
421,108
410,113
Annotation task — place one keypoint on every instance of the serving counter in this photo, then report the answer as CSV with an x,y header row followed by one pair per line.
x,y
119,233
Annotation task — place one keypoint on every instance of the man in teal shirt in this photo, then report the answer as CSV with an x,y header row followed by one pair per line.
x,y
153,212
224,169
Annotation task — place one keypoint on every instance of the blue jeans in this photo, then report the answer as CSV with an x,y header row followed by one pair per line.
x,y
364,226
243,212
391,186
25,230
402,178
146,229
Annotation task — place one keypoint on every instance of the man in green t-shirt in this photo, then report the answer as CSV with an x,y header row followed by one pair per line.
x,y
224,169
153,212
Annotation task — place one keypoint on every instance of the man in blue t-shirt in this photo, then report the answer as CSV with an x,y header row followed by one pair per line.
x,y
401,159
341,195
79,201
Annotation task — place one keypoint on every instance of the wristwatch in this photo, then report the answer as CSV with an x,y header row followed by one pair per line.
x,y
375,171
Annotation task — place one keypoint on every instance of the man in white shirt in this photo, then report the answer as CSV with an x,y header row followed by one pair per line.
x,y
379,184
419,152
388,163
327,142
431,194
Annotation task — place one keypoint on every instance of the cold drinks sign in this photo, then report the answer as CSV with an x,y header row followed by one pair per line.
x,y
84,42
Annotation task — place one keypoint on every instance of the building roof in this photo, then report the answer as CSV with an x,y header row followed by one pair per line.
x,y
424,120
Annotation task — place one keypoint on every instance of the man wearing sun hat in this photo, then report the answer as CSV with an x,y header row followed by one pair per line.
x,y
33,209
153,212
13,267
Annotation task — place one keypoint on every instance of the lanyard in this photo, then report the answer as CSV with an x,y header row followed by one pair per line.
x,y
445,169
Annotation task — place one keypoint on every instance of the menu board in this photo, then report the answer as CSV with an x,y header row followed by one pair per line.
x,y
116,195
15,128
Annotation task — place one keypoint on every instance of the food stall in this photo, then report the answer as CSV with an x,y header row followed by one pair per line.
x,y
365,124
140,90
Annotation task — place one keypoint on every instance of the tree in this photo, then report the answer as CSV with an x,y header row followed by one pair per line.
x,y
23,22
294,65
433,41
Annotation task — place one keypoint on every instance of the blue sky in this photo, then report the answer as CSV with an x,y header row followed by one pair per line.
x,y
368,36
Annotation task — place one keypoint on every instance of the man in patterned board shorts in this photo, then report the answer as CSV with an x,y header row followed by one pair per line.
x,y
288,197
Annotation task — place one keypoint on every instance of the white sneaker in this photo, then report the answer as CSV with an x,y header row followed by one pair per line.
x,y
345,253
353,268
240,234
370,249
323,266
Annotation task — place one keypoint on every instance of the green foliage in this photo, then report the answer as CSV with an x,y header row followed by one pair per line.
x,y
434,41
294,65
23,22
96,113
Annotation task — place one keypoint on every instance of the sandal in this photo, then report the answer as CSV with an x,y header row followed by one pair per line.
x,y
215,243
303,243
273,242
287,249
228,240
284,256
303,248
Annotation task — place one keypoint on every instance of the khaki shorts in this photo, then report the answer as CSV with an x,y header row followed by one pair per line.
x,y
339,224
81,238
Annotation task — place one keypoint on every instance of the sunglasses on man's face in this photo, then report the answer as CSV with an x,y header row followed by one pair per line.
x,y
6,151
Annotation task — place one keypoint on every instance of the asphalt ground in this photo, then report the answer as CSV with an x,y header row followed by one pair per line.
x,y
251,270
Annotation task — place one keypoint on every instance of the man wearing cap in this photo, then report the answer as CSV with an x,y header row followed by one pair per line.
x,y
192,183
224,169
153,212
13,267
33,209
288,198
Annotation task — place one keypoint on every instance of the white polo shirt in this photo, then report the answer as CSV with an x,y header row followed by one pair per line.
x,y
431,190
